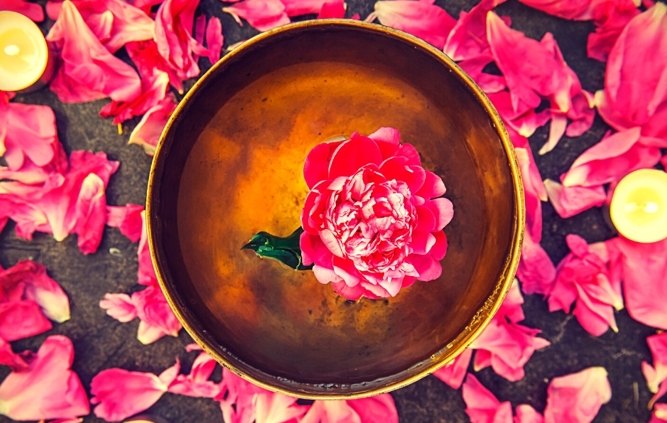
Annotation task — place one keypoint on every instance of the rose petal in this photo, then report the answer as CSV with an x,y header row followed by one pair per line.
x,y
16,362
302,7
482,406
570,201
422,19
150,63
88,71
577,397
262,15
149,129
47,389
276,408
655,376
578,10
536,270
154,312
120,394
90,213
126,218
454,372
523,120
511,308
31,10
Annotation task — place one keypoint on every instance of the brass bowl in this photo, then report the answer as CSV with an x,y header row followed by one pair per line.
x,y
229,164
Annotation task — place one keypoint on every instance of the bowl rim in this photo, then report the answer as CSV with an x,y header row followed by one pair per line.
x,y
483,315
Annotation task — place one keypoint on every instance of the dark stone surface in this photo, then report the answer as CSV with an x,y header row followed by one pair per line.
x,y
101,342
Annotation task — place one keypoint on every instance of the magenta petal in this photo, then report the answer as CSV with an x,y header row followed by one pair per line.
x,y
196,384
153,90
577,397
91,214
260,14
396,168
173,36
443,210
21,319
374,409
440,247
48,389
353,154
351,293
332,9
126,218
16,362
570,201
428,268
527,414
655,375
468,39
302,7
120,394
455,371
316,166
422,242
536,270
578,10
214,39
426,219
31,10
433,186
388,140
154,311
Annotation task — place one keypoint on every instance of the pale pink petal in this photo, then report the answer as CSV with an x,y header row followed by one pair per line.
x,y
31,10
173,35
21,319
47,389
642,268
468,37
148,130
455,371
527,414
260,14
126,218
237,398
633,94
120,393
146,273
119,306
482,406
610,18
88,71
655,375
577,397
276,408
570,201
154,311
332,9
422,19
512,306
214,39
536,270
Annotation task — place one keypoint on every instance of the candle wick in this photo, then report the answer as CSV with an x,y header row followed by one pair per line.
x,y
12,50
651,207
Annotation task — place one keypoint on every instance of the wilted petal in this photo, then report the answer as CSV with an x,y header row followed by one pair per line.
x,y
31,10
148,130
120,393
47,389
260,14
577,397
482,406
422,19
88,71
570,201
126,218
454,372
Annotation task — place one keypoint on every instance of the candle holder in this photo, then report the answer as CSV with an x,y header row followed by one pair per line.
x,y
230,164
26,62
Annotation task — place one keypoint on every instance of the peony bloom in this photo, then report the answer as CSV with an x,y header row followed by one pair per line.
x,y
47,388
577,397
373,222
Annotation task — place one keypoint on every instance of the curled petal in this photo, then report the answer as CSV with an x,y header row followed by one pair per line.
x,y
577,397
610,18
468,37
173,36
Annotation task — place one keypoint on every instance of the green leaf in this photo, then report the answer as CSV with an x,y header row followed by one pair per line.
x,y
286,250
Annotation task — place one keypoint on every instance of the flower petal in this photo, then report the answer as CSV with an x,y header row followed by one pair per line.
x,y
126,218
482,406
570,201
119,306
21,319
455,371
262,15
353,154
610,18
214,39
577,397
31,10
148,130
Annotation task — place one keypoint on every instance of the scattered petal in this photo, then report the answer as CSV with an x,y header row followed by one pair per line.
x,y
467,38
21,319
262,15
302,7
610,18
578,10
570,201
655,375
455,371
214,39
482,406
31,10
577,397
126,218
120,307
196,384
153,91
148,130
332,9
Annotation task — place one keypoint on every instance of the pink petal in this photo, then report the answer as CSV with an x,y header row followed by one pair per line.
x,y
433,186
214,39
389,141
148,130
482,406
633,94
276,408
16,362
31,10
196,384
443,210
397,168
454,372
91,214
578,10
523,120
352,154
173,35
21,319
527,414
659,414
153,90
260,14
146,273
154,311
536,270
512,306
655,375
120,394
643,267
47,389
302,7
332,9
237,398
468,37
610,19
428,268
119,306
88,71
316,165
474,67
148,60
533,190
570,201
374,409
126,218
577,397
422,19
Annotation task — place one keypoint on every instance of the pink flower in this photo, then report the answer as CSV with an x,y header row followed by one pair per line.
x,y
655,375
114,22
455,371
120,394
367,410
583,277
642,268
47,389
505,345
422,19
88,70
148,130
28,280
577,397
614,157
29,143
31,10
260,14
570,201
634,95
610,18
173,35
482,406
126,218
372,220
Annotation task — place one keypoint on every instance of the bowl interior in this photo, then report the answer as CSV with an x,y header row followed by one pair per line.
x,y
230,165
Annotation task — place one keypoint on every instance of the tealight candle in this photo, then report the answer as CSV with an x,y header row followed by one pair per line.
x,y
638,207
24,54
